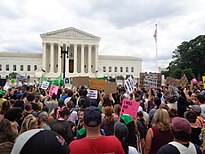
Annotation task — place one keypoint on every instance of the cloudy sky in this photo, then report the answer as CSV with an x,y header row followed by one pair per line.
x,y
126,27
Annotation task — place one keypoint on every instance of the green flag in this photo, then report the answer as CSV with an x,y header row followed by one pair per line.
x,y
103,78
82,131
58,81
43,78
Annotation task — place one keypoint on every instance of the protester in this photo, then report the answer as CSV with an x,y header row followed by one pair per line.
x,y
42,120
29,122
155,137
195,129
121,132
200,119
108,121
6,133
51,104
94,142
62,126
181,130
1,98
133,137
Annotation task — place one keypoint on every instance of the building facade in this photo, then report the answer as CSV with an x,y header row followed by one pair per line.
x,y
82,58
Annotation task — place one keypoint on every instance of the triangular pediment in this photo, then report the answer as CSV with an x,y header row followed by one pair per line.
x,y
69,33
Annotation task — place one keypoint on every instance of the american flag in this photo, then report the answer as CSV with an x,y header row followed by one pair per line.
x,y
155,34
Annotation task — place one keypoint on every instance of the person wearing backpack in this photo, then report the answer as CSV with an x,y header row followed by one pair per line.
x,y
181,130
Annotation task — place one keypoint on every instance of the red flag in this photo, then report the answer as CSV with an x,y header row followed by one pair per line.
x,y
155,34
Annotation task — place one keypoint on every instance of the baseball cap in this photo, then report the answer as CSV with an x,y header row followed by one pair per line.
x,y
44,115
39,141
181,125
120,129
92,116
195,108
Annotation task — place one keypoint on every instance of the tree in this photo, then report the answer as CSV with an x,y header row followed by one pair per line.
x,y
189,74
13,75
189,55
177,74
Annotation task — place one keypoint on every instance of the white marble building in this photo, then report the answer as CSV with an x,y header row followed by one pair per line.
x,y
82,60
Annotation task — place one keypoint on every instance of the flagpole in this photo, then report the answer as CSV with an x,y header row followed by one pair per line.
x,y
157,70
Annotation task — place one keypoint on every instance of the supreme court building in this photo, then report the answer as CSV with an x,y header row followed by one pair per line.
x,y
82,58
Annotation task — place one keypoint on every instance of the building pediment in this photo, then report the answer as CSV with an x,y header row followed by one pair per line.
x,y
69,33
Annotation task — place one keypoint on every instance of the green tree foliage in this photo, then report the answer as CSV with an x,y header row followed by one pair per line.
x,y
177,74
13,75
189,74
189,56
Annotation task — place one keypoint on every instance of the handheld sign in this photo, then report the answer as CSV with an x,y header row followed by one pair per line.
x,y
92,94
45,85
130,107
53,90
129,84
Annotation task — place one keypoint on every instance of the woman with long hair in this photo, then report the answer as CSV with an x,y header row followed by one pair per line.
x,y
159,134
29,122
121,132
108,121
6,133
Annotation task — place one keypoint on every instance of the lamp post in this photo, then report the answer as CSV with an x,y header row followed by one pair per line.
x,y
64,52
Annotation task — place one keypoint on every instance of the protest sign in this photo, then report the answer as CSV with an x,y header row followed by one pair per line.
x,y
45,85
110,87
21,78
80,81
194,80
53,90
97,84
172,82
183,81
92,94
150,80
67,83
129,83
130,107
203,80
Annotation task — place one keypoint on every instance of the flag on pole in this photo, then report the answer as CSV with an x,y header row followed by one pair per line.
x,y
155,34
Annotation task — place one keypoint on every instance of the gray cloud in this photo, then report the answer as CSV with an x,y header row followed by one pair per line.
x,y
125,27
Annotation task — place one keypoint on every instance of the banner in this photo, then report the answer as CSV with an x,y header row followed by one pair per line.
x,y
92,94
130,107
97,84
53,90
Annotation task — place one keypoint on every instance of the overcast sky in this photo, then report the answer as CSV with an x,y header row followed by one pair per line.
x,y
126,27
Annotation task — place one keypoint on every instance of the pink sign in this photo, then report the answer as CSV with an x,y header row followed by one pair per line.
x,y
129,107
53,90
200,83
194,80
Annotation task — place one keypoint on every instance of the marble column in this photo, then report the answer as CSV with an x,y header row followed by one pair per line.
x,y
51,57
89,58
96,57
75,58
82,58
67,59
44,56
59,59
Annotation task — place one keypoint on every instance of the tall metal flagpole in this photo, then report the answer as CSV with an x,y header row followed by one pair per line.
x,y
155,36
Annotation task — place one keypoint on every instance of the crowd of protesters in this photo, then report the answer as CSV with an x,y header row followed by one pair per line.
x,y
169,120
